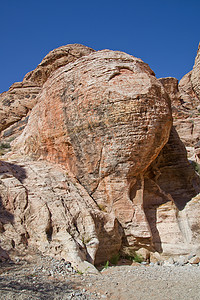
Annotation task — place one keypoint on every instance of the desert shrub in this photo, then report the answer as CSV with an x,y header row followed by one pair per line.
x,y
4,146
130,254
196,166
106,265
114,259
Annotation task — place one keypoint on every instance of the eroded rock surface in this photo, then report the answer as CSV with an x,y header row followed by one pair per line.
x,y
16,103
99,166
111,117
42,206
186,109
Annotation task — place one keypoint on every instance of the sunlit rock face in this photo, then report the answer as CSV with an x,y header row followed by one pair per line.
x,y
195,76
18,101
105,118
99,165
185,97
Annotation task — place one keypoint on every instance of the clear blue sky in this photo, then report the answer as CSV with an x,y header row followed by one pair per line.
x,y
165,33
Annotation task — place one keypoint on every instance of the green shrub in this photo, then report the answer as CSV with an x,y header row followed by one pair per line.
x,y
4,146
114,259
196,166
138,258
106,265
130,254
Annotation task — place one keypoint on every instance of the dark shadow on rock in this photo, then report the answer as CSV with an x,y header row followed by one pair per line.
x,y
12,170
109,242
176,175
7,170
169,178
152,221
153,197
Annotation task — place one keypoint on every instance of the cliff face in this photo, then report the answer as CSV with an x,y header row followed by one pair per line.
x,y
99,166
186,107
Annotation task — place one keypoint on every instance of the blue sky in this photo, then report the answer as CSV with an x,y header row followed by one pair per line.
x,y
164,34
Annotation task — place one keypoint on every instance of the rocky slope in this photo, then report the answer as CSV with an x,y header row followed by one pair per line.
x,y
98,168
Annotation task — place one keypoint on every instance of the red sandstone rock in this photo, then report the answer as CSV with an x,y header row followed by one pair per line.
x,y
22,96
125,180
54,60
171,86
195,76
186,107
111,117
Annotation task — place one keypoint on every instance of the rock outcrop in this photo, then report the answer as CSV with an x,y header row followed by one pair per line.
x,y
195,76
186,108
16,104
99,166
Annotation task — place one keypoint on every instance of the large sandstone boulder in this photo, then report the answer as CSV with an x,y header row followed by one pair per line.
x,y
16,103
99,166
105,118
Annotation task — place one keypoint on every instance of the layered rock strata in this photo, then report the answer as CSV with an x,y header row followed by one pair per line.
x,y
99,166
16,104
186,107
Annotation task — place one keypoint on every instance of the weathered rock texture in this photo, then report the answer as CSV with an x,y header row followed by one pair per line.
x,y
16,104
99,166
186,108
107,126
170,184
42,207
195,76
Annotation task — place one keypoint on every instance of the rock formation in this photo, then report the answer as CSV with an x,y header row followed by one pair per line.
x,y
99,167
186,107
16,104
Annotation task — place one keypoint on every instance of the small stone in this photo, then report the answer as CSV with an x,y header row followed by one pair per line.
x,y
169,262
69,269
194,260
182,260
190,256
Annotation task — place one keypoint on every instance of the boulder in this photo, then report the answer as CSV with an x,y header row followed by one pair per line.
x,y
99,167
16,103
105,118
194,260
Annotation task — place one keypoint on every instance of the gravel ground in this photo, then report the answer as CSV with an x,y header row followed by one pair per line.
x,y
47,278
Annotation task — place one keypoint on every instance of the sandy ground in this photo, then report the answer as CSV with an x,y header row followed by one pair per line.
x,y
46,279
